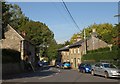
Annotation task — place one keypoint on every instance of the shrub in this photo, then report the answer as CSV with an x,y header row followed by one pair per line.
x,y
102,54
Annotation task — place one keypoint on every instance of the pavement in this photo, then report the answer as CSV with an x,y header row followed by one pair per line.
x,y
25,74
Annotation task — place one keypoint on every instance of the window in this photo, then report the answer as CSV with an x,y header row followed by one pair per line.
x,y
71,51
109,66
97,65
78,60
74,50
78,50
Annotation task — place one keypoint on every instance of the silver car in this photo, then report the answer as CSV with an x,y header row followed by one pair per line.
x,y
106,70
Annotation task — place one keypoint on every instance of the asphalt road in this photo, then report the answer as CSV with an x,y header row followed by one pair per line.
x,y
58,75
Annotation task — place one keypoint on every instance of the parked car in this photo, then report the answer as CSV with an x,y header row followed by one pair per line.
x,y
45,64
84,68
59,65
66,65
40,64
105,69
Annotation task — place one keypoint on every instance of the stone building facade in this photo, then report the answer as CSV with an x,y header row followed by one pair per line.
x,y
14,40
64,54
79,48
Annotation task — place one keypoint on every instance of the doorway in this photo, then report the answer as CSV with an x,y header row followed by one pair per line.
x,y
75,62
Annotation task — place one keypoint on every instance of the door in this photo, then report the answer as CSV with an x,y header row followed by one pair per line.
x,y
102,71
97,69
75,62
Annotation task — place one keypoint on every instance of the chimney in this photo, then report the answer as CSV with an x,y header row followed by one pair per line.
x,y
78,38
93,30
23,33
94,34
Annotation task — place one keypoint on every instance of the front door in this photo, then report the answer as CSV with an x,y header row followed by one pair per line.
x,y
75,62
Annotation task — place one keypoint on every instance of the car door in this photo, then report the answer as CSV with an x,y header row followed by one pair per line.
x,y
101,70
96,69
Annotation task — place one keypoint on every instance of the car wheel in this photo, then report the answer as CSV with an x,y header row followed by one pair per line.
x,y
106,75
92,73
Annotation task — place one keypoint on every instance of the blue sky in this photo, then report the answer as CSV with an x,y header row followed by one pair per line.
x,y
84,13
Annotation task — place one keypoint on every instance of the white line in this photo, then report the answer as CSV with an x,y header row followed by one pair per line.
x,y
50,75
45,77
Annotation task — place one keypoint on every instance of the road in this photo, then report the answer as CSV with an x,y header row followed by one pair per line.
x,y
59,75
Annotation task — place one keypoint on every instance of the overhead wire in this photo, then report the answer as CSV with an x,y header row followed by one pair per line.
x,y
66,8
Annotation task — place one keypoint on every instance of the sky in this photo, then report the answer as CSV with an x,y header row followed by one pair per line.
x,y
54,15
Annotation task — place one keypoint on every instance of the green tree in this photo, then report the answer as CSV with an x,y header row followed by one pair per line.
x,y
37,32
74,38
105,31
116,35
52,51
5,16
18,18
67,43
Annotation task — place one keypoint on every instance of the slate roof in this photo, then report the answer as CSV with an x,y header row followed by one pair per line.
x,y
79,43
66,48
76,44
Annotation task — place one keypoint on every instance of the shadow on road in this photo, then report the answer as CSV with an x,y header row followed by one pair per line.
x,y
39,73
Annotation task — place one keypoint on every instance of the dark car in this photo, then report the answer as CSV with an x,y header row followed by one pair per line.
x,y
40,63
66,65
84,68
59,65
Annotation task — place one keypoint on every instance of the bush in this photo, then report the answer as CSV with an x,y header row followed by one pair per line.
x,y
102,54
10,56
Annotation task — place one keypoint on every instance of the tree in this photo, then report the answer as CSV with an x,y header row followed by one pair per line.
x,y
116,36
5,16
52,51
37,32
66,43
40,34
105,31
17,19
74,38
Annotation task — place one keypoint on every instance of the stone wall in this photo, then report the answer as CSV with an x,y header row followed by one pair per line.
x,y
95,43
11,68
75,56
12,40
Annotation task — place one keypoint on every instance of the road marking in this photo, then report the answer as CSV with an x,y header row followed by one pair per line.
x,y
45,77
58,70
50,75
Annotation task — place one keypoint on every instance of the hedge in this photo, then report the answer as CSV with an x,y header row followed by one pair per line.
x,y
108,55
102,54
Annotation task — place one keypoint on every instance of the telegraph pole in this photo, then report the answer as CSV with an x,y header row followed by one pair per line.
x,y
85,41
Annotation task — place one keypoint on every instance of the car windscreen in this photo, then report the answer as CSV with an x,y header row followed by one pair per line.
x,y
87,65
109,66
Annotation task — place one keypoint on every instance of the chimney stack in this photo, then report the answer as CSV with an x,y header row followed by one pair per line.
x,y
23,33
93,30
78,38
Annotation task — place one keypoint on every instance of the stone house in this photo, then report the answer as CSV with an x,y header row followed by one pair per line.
x,y
14,40
64,54
79,48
